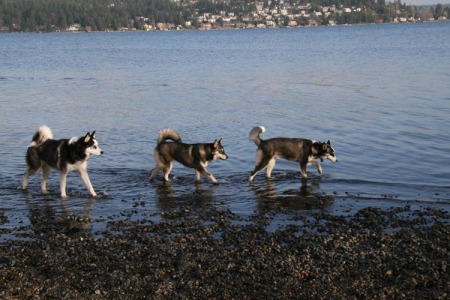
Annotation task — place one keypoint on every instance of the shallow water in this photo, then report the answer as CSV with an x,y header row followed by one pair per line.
x,y
379,93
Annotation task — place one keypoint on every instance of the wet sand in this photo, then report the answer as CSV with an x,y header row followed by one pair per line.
x,y
198,253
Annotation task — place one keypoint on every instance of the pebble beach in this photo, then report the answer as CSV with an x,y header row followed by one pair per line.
x,y
197,253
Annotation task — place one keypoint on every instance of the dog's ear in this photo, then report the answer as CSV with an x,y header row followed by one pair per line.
x,y
87,137
93,134
328,143
215,144
324,147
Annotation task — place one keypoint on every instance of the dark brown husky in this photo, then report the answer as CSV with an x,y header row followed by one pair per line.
x,y
302,151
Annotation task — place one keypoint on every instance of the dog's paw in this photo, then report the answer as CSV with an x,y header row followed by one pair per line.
x,y
100,195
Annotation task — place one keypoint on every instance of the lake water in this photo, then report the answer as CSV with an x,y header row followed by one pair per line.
x,y
379,93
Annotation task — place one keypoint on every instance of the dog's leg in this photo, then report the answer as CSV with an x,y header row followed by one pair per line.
x,y
159,166
166,171
270,166
317,164
197,175
30,171
25,180
261,162
46,170
303,169
33,165
85,177
63,179
209,175
153,172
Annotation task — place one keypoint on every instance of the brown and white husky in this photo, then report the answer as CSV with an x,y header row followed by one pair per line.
x,y
196,156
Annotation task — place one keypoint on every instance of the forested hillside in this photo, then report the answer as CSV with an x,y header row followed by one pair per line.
x,y
100,15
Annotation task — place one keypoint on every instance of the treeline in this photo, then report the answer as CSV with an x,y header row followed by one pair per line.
x,y
48,15
101,15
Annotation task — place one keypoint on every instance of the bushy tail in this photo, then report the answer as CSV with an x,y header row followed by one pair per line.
x,y
42,134
168,134
254,134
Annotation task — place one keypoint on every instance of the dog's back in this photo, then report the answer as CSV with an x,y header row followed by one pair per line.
x,y
190,155
292,149
168,151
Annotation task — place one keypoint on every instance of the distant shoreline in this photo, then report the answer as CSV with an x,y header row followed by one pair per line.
x,y
226,29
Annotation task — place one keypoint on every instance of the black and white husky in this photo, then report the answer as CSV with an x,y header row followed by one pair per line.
x,y
302,151
196,156
65,155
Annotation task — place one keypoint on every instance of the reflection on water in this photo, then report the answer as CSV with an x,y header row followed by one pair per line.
x,y
201,197
307,197
50,218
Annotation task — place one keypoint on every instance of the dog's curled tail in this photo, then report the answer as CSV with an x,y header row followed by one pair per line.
x,y
254,134
168,134
42,134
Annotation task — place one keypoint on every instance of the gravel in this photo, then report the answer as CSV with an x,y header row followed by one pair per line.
x,y
190,253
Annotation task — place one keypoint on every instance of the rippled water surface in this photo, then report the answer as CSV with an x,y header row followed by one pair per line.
x,y
380,94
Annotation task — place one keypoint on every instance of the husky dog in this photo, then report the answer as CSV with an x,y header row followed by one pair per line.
x,y
196,156
64,155
302,151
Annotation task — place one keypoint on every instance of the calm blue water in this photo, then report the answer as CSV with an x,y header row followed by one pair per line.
x,y
381,94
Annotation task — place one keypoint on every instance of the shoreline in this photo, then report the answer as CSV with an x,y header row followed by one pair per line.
x,y
225,29
212,253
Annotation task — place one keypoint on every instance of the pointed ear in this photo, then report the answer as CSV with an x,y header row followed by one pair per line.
x,y
329,143
93,134
220,141
87,137
216,143
324,147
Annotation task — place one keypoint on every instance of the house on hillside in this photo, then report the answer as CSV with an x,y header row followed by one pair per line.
x,y
74,27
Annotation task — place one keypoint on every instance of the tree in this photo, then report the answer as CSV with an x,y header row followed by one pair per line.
x,y
438,11
432,11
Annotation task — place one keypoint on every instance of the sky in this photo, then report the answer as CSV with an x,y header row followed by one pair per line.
x,y
423,2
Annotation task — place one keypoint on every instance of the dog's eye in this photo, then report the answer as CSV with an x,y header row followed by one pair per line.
x,y
95,147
